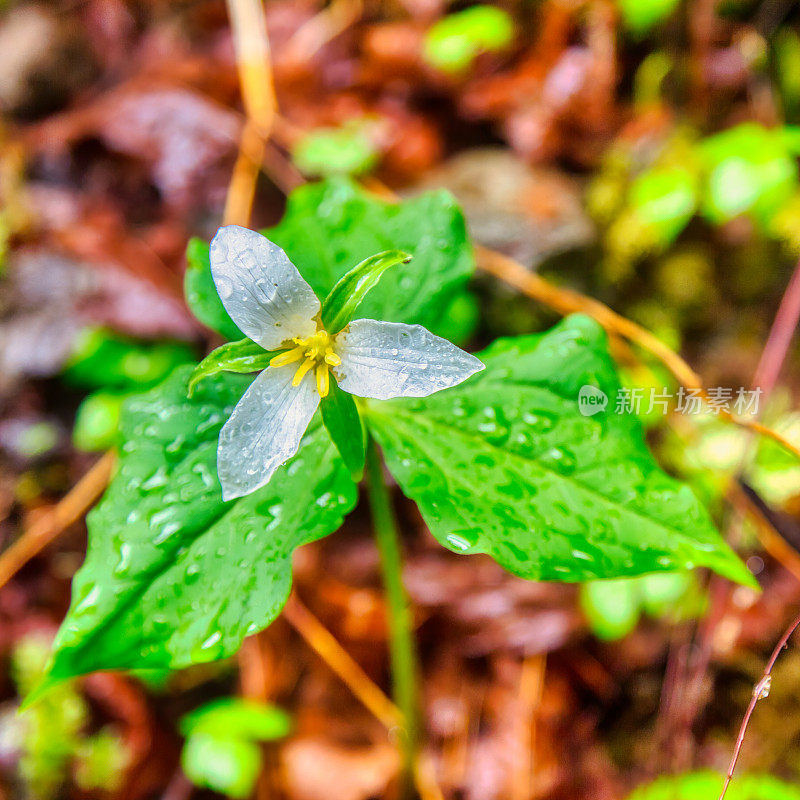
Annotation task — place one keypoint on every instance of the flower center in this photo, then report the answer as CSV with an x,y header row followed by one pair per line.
x,y
315,352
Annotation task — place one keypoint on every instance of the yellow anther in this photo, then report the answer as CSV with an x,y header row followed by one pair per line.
x,y
317,354
305,367
320,339
290,356
323,379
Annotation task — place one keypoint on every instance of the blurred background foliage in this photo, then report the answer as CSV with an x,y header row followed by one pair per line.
x,y
643,153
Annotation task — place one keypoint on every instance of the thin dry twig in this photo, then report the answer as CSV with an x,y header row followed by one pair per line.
x,y
425,778
769,537
69,509
253,61
322,642
760,691
780,336
531,687
333,20
251,44
320,639
254,672
567,301
242,187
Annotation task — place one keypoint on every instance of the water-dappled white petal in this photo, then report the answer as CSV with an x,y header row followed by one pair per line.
x,y
264,430
260,288
383,360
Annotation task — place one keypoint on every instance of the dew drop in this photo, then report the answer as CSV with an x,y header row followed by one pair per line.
x,y
462,541
124,564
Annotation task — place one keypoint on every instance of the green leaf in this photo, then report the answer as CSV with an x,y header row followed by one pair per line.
x,y
707,786
750,170
452,43
101,760
349,150
639,16
787,73
97,421
101,358
665,198
220,750
233,717
611,607
201,293
173,575
332,225
662,594
350,290
458,320
507,464
228,766
341,418
242,357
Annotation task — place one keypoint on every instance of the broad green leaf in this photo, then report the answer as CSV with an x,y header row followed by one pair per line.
x,y
509,464
341,418
350,290
453,42
707,786
243,356
173,575
228,766
201,293
330,226
234,717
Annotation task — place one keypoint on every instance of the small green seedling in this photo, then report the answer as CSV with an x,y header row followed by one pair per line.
x,y
222,748
707,786
455,41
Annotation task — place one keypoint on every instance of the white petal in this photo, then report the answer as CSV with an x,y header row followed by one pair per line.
x,y
390,359
264,430
260,288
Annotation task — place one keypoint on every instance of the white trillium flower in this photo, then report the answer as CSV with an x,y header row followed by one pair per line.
x,y
273,305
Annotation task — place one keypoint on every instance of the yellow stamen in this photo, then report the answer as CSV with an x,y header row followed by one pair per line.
x,y
323,379
281,360
315,352
305,367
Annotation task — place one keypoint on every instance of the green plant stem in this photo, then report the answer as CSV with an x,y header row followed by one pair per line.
x,y
402,648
